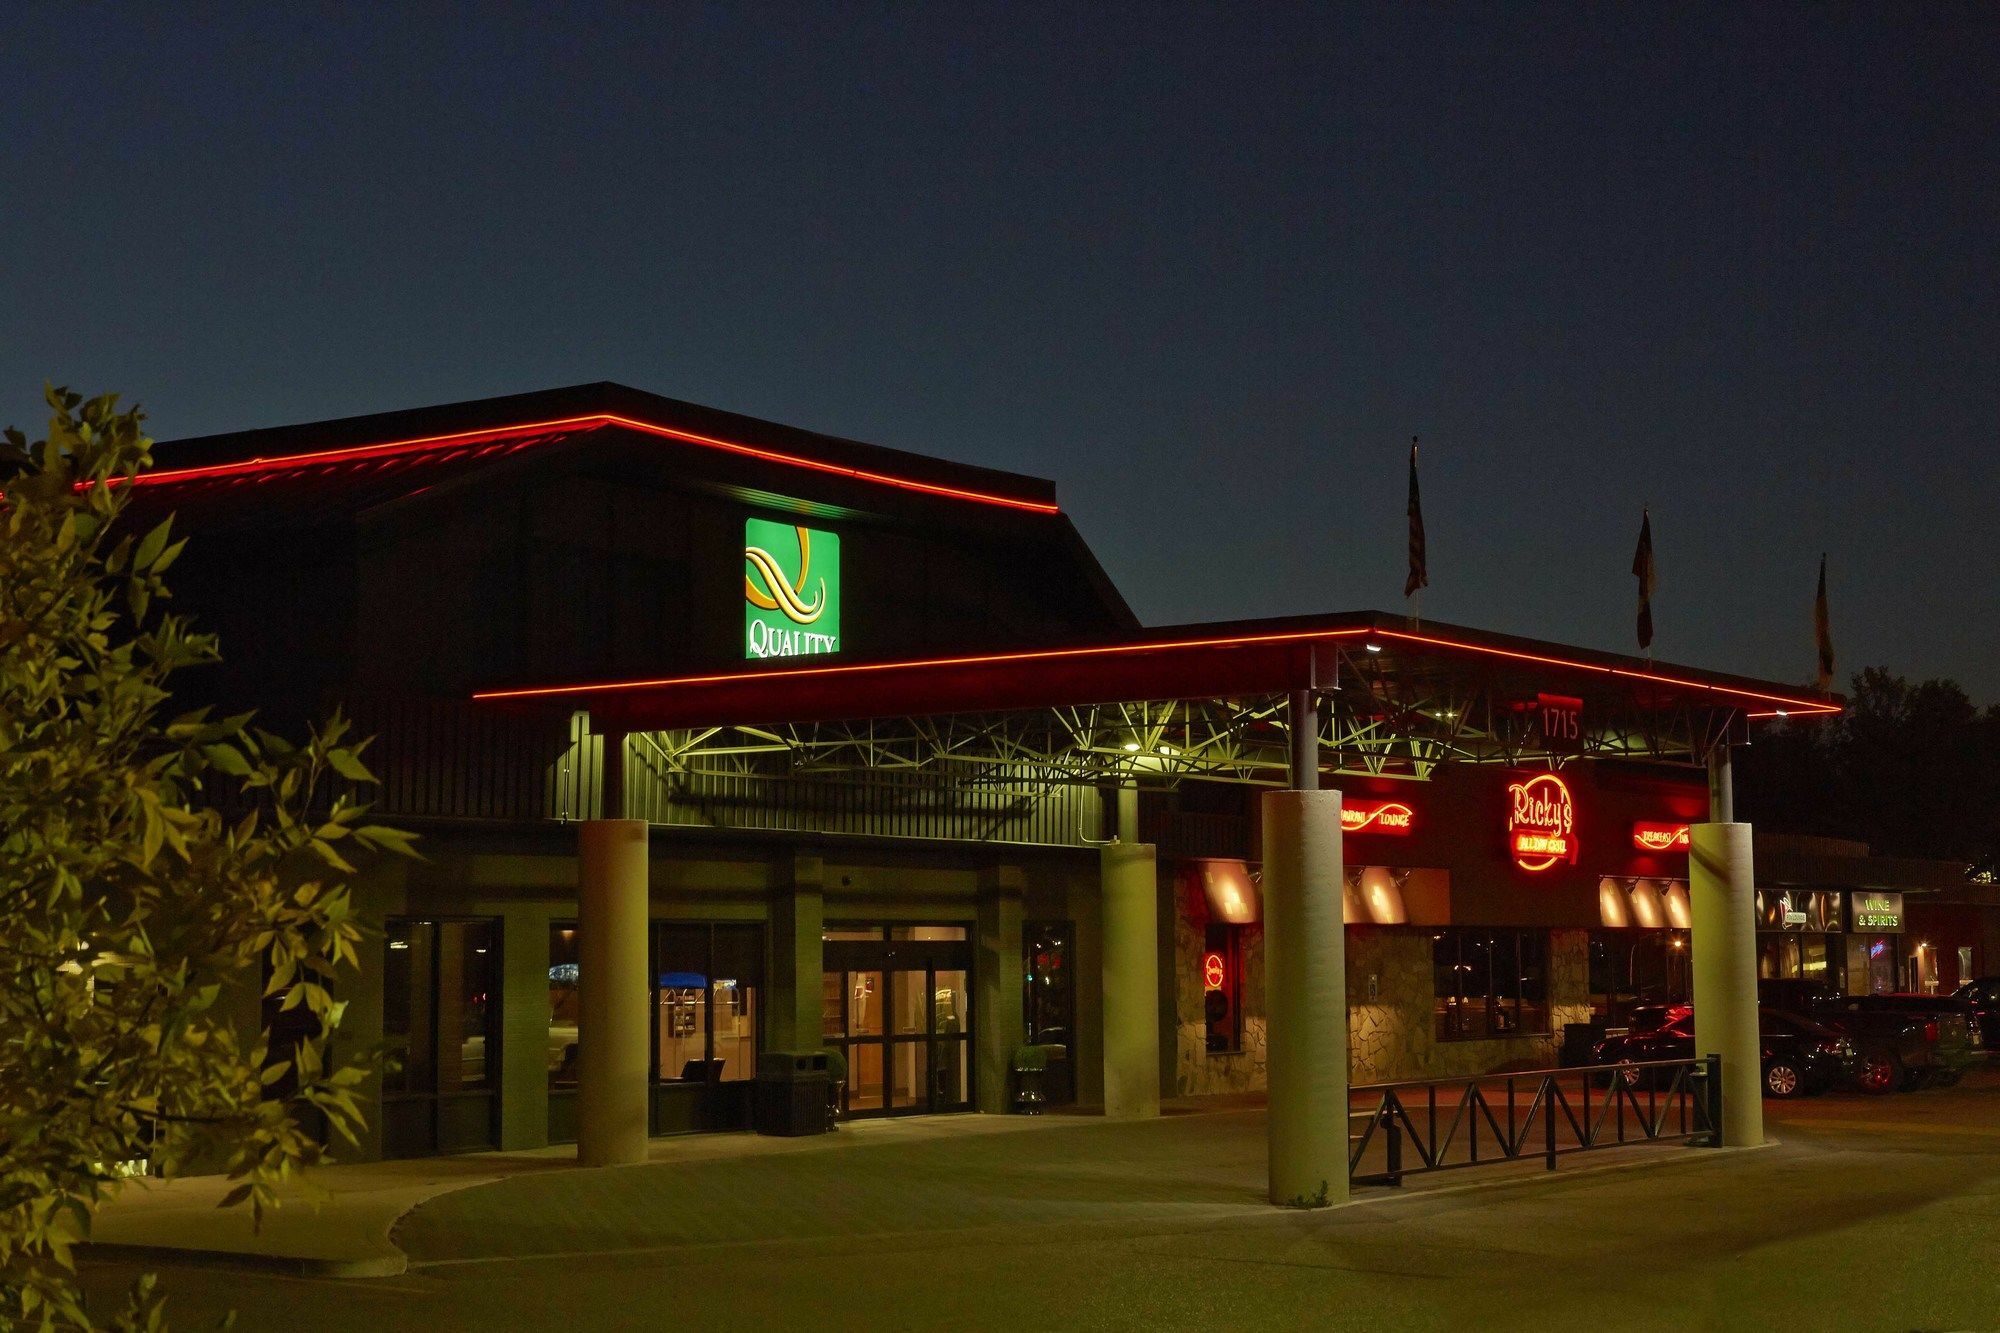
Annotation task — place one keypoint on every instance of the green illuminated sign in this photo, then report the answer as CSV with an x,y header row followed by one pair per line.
x,y
791,590
1877,911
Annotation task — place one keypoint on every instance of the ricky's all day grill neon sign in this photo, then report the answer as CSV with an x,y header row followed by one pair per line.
x,y
1541,822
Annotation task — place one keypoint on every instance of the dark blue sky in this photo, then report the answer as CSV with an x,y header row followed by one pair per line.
x,y
1210,268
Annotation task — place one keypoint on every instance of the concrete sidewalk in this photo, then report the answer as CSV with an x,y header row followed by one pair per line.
x,y
338,1223
1203,1160
340,1229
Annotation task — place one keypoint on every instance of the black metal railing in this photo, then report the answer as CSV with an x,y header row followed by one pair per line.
x,y
1401,1129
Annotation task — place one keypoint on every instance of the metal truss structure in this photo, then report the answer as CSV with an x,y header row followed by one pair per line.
x,y
1380,720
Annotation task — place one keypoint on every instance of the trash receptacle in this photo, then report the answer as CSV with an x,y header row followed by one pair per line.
x,y
1579,1040
791,1092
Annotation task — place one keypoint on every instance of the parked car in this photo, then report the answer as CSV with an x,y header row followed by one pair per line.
x,y
1983,994
1909,1047
1800,1057
1951,1030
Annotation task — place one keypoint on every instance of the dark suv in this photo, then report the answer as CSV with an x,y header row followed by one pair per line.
x,y
1801,1057
1983,994
1912,1041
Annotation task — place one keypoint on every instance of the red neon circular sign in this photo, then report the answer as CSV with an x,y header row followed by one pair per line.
x,y
1541,822
1214,972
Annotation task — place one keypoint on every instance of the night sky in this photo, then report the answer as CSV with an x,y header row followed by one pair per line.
x,y
1209,268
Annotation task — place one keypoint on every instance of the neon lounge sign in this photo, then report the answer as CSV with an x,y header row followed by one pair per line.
x,y
1660,837
1541,822
1377,817
791,590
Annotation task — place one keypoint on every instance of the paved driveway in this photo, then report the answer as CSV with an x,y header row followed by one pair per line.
x,y
1871,1214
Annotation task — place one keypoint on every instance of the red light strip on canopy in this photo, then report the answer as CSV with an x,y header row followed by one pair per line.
x,y
984,659
1791,705
1102,650
430,443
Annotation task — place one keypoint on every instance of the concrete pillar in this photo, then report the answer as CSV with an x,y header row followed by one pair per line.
x,y
1304,741
613,1068
798,919
999,1024
1305,992
1721,888
1131,977
1127,811
379,894
1721,787
524,1026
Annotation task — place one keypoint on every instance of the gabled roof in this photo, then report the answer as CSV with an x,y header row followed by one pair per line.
x,y
374,448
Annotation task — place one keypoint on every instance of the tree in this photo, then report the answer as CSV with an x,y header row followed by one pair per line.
x,y
1910,769
151,867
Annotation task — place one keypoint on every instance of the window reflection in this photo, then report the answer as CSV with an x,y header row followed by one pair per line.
x,y
705,996
439,1004
1490,982
564,1019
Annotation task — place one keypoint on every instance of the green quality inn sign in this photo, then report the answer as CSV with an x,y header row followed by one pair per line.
x,y
791,590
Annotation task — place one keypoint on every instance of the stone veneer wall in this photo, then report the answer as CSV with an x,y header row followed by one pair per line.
x,y
1392,1035
1196,1072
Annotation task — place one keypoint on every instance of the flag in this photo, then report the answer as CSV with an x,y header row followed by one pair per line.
x,y
1823,631
1642,567
1420,574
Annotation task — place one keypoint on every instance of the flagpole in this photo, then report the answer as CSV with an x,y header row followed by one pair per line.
x,y
1419,577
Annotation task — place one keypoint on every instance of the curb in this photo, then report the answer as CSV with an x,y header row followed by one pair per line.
x,y
289,1265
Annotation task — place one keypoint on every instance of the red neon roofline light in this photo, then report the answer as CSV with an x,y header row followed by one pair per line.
x,y
429,443
978,659
1104,650
1801,705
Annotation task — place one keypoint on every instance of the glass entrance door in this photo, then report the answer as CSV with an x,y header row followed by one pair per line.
x,y
895,1003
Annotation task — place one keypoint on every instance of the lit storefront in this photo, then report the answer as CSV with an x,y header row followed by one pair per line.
x,y
1829,911
1487,908
894,739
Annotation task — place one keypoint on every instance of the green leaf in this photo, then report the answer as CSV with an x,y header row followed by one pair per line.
x,y
153,543
348,766
228,759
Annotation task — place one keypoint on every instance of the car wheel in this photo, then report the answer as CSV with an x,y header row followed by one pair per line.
x,y
1783,1080
1878,1075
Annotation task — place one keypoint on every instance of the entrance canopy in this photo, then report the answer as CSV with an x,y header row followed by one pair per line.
x,y
1206,700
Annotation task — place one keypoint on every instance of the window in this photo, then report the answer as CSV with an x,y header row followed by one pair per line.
x,y
1490,982
1633,967
1049,1001
439,1005
1049,998
705,984
564,1019
707,978
1222,987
